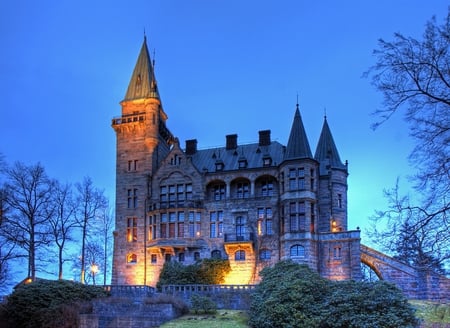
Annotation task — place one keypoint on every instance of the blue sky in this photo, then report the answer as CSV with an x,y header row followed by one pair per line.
x,y
223,67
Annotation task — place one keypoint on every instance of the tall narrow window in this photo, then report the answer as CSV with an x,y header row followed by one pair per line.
x,y
240,228
216,224
132,229
297,216
340,200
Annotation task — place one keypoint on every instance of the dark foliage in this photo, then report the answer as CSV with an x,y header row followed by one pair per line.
x,y
292,295
46,303
203,304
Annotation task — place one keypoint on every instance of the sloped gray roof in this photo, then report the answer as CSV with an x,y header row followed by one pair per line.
x,y
143,83
298,145
254,154
326,151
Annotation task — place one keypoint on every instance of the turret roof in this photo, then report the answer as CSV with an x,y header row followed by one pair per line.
x,y
143,83
298,145
326,151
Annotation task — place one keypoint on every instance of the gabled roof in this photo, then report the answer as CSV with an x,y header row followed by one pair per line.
x,y
326,151
143,83
254,154
298,145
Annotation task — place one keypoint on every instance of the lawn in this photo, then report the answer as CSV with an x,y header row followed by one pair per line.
x,y
434,315
221,319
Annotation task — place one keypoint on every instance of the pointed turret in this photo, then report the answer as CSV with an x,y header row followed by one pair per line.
x,y
298,145
326,152
143,83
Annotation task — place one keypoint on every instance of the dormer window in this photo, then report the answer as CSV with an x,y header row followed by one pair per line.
x,y
219,165
267,160
242,163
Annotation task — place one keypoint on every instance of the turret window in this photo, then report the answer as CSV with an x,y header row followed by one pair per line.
x,y
297,179
297,251
297,216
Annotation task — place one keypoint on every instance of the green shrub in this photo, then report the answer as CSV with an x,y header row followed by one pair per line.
x,y
47,303
205,272
354,304
289,295
202,304
292,295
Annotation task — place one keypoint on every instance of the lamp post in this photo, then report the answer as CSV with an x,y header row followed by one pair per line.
x,y
94,270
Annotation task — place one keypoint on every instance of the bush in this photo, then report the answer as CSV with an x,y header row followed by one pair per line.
x,y
292,295
354,304
205,272
203,304
289,295
46,303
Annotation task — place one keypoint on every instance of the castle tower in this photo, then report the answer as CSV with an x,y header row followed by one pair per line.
x,y
298,179
333,174
142,140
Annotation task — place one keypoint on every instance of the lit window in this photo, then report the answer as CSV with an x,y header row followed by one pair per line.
x,y
132,229
131,258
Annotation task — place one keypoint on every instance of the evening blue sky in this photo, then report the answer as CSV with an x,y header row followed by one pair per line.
x,y
223,67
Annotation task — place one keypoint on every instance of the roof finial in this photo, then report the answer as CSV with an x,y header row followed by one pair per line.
x,y
297,100
145,36
154,55
325,113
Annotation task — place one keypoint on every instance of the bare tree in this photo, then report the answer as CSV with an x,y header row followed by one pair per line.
x,y
91,203
414,77
407,237
106,226
28,196
94,257
62,222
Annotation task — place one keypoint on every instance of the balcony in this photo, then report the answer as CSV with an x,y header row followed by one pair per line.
x,y
140,117
239,238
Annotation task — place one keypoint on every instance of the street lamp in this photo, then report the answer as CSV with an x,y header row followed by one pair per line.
x,y
94,270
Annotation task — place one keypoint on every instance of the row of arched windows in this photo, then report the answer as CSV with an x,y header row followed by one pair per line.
x,y
240,255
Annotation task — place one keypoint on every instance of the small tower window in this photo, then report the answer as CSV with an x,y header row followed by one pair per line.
x,y
132,258
243,163
219,165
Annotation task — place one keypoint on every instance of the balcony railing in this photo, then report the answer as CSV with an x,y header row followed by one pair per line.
x,y
128,119
233,237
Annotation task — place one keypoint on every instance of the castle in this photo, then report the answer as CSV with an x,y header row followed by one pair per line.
x,y
254,204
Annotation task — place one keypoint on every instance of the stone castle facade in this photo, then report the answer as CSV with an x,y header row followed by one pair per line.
x,y
254,204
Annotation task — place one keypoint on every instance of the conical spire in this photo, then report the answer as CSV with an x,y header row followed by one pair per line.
x,y
143,82
298,145
326,151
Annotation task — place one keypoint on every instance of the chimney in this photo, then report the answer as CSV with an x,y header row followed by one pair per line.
x,y
231,141
264,138
191,146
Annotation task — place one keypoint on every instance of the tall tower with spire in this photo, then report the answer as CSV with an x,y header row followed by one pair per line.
x,y
142,139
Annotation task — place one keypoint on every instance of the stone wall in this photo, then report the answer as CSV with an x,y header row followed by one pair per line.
x,y
233,297
127,313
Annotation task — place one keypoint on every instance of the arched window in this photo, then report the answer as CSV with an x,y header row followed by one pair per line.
x,y
239,255
264,254
297,251
216,254
132,258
